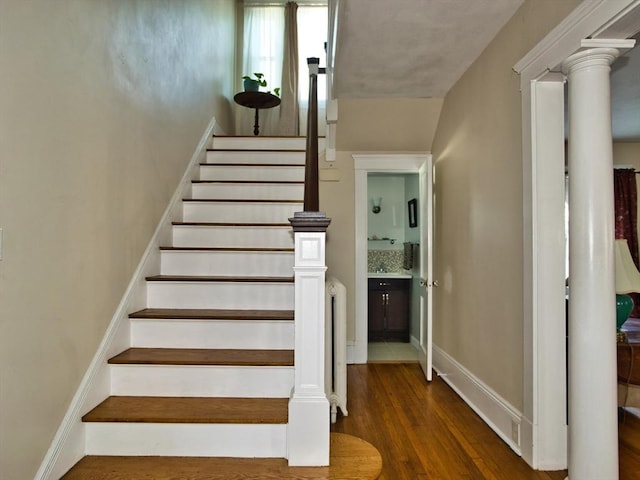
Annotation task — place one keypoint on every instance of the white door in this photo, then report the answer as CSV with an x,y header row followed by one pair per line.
x,y
425,224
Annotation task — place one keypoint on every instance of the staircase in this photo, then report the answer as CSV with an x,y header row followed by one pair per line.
x,y
210,368
209,372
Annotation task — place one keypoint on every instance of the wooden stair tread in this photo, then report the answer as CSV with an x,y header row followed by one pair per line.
x,y
256,150
257,182
301,165
228,224
203,356
212,314
236,200
350,458
225,249
190,410
202,278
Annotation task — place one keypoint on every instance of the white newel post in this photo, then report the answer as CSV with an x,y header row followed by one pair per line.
x,y
593,425
308,429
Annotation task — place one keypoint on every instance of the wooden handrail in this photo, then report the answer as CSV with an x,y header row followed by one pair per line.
x,y
311,187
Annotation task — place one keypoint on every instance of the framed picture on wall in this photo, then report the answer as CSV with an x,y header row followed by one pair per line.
x,y
413,213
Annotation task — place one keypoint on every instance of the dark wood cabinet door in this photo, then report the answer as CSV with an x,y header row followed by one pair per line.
x,y
397,314
376,315
389,309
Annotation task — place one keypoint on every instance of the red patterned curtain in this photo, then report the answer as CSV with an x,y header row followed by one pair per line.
x,y
626,218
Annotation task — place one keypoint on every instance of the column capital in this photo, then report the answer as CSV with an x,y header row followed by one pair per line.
x,y
310,222
590,58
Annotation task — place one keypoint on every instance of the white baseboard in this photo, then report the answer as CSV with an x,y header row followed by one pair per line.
x,y
501,416
68,445
415,342
351,353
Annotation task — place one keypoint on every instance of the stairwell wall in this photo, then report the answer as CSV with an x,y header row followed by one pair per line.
x,y
477,151
101,107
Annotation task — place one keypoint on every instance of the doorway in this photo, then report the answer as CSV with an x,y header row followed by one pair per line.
x,y
396,164
393,272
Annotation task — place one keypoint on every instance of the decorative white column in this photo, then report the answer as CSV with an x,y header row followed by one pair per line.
x,y
593,424
308,429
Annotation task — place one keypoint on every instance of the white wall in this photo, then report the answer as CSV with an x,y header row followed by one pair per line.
x,y
101,106
390,221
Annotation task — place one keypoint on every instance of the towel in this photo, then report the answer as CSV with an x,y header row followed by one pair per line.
x,y
407,263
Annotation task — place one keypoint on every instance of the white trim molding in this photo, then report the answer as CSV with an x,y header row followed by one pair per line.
x,y
500,415
544,430
389,162
68,445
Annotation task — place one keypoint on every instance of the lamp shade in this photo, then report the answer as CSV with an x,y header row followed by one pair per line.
x,y
627,275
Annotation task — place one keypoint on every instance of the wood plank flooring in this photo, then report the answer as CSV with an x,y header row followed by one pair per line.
x,y
426,432
423,432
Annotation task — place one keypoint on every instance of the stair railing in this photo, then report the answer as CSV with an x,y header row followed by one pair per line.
x,y
309,409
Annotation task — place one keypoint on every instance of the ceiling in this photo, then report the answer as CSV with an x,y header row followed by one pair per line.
x,y
412,48
420,48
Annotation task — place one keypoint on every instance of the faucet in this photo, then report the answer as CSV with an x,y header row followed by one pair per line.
x,y
381,269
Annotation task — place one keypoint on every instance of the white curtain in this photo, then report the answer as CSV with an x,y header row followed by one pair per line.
x,y
312,33
289,113
263,49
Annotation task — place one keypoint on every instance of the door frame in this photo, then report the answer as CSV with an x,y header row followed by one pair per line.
x,y
543,428
365,163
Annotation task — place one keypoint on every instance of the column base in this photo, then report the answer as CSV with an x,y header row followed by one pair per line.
x,y
308,432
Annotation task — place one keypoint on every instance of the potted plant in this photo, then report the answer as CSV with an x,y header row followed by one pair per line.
x,y
254,84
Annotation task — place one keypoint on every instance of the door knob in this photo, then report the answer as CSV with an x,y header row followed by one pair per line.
x,y
435,283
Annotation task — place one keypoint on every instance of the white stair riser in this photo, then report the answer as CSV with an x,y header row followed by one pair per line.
x,y
256,157
248,191
257,173
221,212
209,236
264,143
234,334
201,381
222,295
270,264
186,440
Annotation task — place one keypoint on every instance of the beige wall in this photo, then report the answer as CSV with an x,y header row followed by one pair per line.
x,y
627,153
101,107
478,316
367,125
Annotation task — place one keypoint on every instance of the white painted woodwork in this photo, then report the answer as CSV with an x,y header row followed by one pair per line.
x,y
68,444
186,439
410,162
263,143
254,173
500,415
542,439
222,295
232,236
197,211
256,157
201,381
593,422
248,191
234,334
226,263
309,409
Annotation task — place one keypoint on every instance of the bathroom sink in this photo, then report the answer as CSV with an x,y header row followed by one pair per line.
x,y
388,275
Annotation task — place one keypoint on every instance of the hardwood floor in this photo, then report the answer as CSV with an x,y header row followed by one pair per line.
x,y
423,432
426,432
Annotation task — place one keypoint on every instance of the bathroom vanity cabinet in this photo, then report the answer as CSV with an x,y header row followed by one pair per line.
x,y
389,309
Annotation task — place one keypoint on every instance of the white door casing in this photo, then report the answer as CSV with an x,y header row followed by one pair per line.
x,y
413,162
